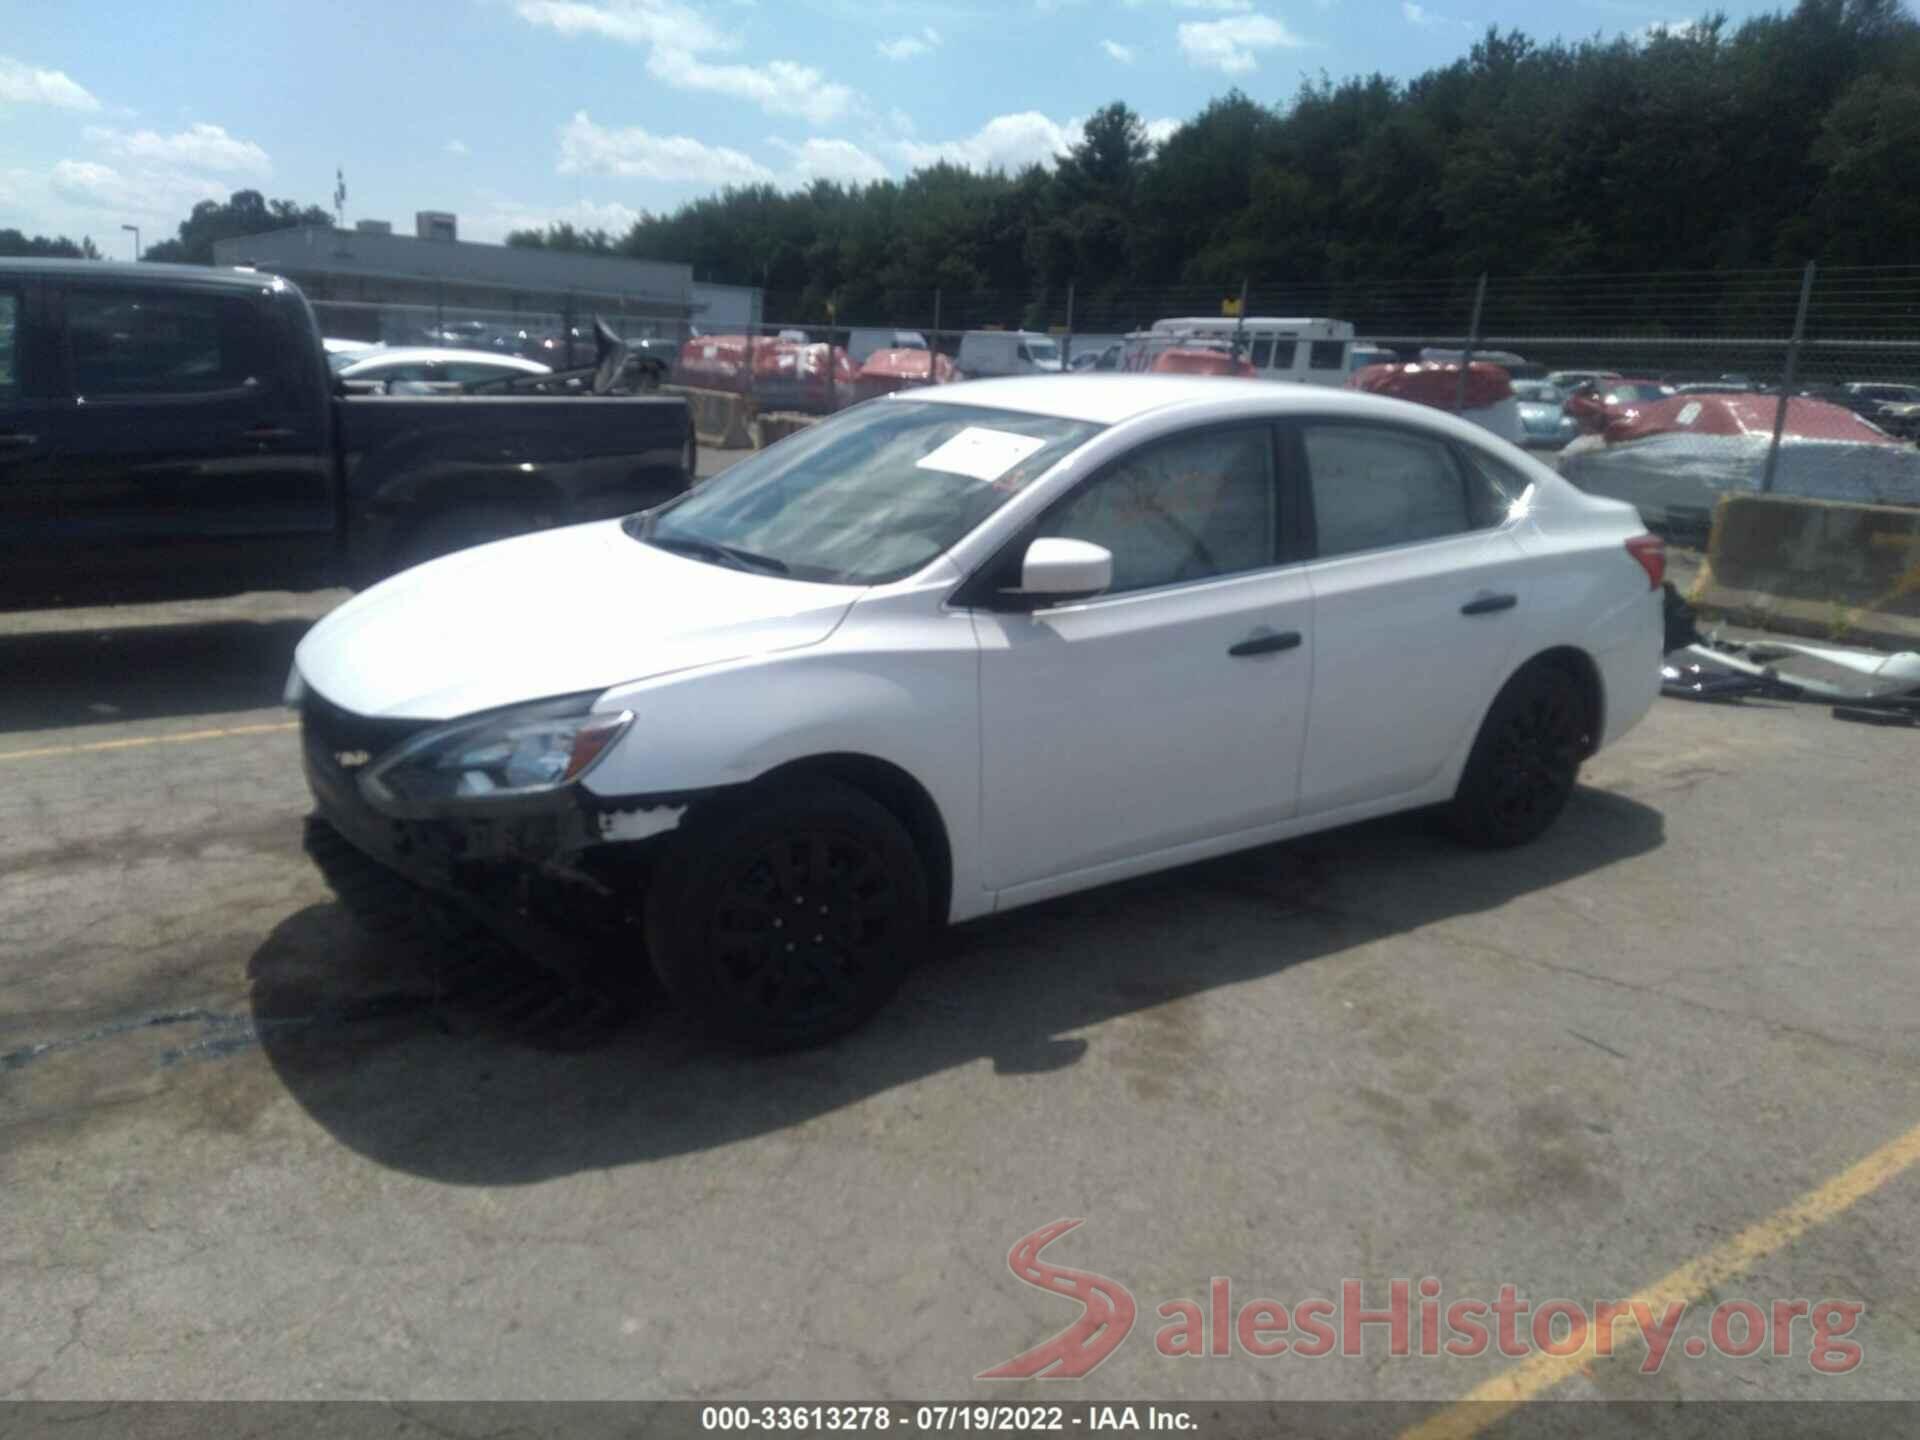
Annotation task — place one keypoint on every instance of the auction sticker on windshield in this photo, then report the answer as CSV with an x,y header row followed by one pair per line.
x,y
981,453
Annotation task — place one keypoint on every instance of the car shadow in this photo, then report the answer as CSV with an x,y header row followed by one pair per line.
x,y
70,678
477,1071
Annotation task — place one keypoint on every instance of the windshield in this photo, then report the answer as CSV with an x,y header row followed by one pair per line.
x,y
1537,392
868,496
341,359
1045,351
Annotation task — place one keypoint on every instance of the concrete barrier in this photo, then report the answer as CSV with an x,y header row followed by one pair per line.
x,y
1824,568
721,419
778,425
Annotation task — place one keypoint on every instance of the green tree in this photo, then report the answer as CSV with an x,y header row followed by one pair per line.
x,y
1698,147
563,236
15,242
246,212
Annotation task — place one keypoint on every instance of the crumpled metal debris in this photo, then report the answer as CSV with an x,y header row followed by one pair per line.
x,y
1696,668
1897,711
1693,681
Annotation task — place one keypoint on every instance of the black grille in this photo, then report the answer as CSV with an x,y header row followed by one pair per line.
x,y
344,742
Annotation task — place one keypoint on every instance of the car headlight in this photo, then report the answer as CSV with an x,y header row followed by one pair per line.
x,y
525,750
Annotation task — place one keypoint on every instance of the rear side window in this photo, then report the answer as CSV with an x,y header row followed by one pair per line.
x,y
12,313
1262,354
1184,509
1375,486
1493,487
137,342
1327,355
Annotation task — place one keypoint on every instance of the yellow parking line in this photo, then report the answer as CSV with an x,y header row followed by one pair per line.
x,y
186,737
1486,1404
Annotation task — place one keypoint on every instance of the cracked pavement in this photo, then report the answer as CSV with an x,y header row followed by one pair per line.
x,y
248,1152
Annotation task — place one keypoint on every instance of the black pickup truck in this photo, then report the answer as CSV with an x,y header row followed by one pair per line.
x,y
171,431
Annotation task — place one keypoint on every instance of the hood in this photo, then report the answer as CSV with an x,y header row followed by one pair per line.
x,y
581,608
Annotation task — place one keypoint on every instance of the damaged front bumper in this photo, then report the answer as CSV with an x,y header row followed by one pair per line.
x,y
541,871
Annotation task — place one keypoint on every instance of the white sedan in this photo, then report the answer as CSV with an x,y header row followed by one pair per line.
x,y
420,369
958,650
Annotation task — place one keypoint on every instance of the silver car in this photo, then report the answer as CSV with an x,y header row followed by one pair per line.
x,y
1544,422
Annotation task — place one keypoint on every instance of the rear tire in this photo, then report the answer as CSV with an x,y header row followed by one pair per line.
x,y
1525,759
790,917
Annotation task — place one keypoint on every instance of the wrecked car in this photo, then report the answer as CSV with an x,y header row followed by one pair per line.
x,y
962,649
1675,458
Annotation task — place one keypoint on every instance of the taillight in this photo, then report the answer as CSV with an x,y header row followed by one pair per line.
x,y
1651,552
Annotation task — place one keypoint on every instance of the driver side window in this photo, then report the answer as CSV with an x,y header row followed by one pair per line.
x,y
1184,509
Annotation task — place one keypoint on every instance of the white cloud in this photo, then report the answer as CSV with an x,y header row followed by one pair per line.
x,y
146,196
634,22
1238,7
841,160
503,215
678,38
457,147
1229,45
635,154
779,87
1006,142
1116,51
909,47
1426,19
1159,130
22,84
201,147
142,177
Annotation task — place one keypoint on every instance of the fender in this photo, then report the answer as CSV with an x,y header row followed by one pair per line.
x,y
725,726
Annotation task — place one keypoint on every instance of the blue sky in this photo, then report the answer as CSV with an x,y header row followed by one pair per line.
x,y
514,112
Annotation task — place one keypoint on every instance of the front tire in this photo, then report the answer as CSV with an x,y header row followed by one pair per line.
x,y
789,918
1525,760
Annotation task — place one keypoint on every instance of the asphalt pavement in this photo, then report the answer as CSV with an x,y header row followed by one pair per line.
x,y
247,1151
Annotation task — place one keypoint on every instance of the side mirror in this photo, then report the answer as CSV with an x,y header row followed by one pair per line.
x,y
1056,571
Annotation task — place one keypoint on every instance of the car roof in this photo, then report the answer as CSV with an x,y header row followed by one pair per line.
x,y
233,277
1108,398
416,354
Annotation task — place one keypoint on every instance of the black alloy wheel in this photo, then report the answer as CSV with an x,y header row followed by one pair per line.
x,y
1525,760
791,920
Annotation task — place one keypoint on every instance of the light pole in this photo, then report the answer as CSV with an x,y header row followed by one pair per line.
x,y
136,239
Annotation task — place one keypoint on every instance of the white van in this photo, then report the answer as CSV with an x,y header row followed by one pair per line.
x,y
1310,351
986,353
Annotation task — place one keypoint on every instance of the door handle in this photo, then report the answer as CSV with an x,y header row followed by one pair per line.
x,y
1266,644
1488,604
261,434
17,441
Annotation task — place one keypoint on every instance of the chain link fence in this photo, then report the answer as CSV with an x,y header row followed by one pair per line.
x,y
1666,389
